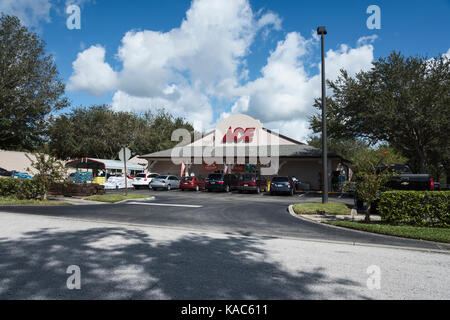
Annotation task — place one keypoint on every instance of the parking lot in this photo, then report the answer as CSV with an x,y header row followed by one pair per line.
x,y
232,213
187,244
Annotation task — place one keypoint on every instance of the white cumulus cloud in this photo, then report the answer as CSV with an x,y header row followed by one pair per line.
x,y
91,73
196,69
30,12
283,96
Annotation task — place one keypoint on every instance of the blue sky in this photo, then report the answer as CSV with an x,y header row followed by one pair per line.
x,y
261,67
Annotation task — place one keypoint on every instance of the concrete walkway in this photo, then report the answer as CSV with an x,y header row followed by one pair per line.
x,y
83,202
328,217
145,262
75,201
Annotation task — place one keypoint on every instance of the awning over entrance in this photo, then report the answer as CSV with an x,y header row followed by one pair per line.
x,y
102,164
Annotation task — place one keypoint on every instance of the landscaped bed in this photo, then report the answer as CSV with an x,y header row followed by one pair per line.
x,y
111,198
331,208
12,201
422,233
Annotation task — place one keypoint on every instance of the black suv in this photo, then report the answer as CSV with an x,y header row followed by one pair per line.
x,y
221,182
281,184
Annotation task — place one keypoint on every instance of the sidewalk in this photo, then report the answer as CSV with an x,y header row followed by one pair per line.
x,y
325,218
75,201
83,202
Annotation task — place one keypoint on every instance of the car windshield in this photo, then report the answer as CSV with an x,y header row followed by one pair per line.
x,y
215,176
161,177
140,175
280,179
247,177
188,179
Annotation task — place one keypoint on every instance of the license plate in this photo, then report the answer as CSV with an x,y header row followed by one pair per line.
x,y
278,185
245,185
212,182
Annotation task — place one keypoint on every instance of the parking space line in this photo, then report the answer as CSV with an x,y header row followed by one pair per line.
x,y
166,204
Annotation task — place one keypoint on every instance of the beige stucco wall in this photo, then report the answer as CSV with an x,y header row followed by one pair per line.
x,y
305,170
18,161
14,160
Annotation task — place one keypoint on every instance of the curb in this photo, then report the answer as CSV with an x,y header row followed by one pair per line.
x,y
138,200
438,244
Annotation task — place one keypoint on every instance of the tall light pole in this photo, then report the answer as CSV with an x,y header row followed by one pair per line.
x,y
323,31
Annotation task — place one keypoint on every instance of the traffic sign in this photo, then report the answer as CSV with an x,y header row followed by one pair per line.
x,y
127,154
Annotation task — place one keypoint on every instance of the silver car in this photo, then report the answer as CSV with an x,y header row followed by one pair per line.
x,y
167,182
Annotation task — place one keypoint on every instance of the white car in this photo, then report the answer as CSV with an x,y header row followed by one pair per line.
x,y
143,180
167,182
117,183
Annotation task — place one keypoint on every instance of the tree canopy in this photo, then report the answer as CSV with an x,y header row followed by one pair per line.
x,y
359,152
403,101
30,87
100,132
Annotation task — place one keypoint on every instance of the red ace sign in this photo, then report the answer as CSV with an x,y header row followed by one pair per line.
x,y
239,135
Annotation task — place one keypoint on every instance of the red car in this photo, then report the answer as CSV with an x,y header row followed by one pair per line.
x,y
252,182
192,183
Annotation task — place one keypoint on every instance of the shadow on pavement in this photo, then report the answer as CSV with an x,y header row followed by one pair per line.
x,y
118,263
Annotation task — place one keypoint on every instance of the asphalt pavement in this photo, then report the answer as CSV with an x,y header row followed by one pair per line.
x,y
230,214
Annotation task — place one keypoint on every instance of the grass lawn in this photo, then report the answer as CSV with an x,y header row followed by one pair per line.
x,y
333,208
423,233
11,201
115,197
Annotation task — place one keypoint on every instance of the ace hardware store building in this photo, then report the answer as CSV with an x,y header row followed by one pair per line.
x,y
241,144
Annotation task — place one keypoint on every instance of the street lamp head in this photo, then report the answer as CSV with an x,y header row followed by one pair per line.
x,y
322,30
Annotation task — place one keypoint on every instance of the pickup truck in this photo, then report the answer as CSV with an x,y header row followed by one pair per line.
x,y
5,173
405,179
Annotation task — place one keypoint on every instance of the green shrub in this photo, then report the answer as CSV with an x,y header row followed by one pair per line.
x,y
21,188
418,208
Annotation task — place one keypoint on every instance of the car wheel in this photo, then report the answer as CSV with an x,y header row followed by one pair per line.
x,y
271,193
197,188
